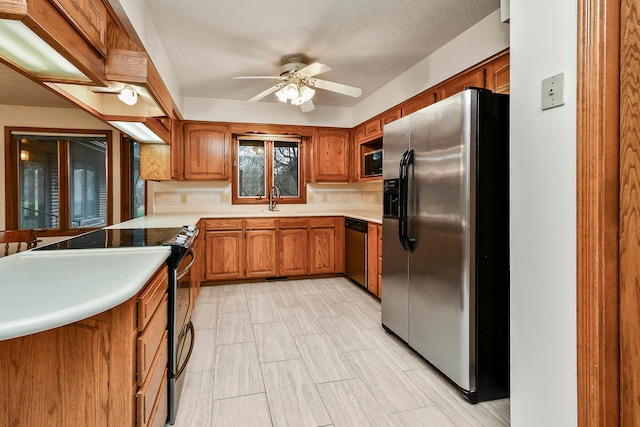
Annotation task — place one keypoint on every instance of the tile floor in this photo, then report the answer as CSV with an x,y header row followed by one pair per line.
x,y
312,353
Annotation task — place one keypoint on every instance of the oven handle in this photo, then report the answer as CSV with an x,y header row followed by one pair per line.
x,y
192,330
182,273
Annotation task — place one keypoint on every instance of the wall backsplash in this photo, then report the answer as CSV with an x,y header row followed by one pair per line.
x,y
175,197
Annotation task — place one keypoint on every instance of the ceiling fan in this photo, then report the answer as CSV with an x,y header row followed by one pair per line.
x,y
298,83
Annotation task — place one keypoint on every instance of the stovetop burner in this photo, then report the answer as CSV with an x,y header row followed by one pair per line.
x,y
115,238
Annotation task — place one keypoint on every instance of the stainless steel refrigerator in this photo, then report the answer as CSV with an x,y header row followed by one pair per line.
x,y
445,237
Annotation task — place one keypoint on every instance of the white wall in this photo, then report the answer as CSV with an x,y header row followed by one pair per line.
x,y
543,217
55,118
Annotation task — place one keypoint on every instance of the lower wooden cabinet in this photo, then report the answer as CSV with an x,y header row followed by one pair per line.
x,y
224,252
374,259
322,242
107,370
261,253
258,248
293,247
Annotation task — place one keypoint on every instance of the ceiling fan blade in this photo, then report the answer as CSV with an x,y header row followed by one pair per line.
x,y
263,94
307,106
260,77
314,69
338,87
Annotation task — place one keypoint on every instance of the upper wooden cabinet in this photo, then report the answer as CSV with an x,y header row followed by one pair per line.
x,y
418,103
207,152
330,155
89,17
497,75
474,78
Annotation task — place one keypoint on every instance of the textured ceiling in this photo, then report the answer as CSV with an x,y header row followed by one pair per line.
x,y
366,43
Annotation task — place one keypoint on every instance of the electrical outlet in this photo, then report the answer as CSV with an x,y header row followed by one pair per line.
x,y
224,198
324,198
183,198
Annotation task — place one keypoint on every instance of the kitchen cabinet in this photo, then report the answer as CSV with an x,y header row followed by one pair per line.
x,y
374,258
474,78
293,247
155,162
322,244
270,247
224,249
418,103
330,149
107,370
207,152
497,74
260,259
89,17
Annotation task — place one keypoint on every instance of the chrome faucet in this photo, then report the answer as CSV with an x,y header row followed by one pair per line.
x,y
274,195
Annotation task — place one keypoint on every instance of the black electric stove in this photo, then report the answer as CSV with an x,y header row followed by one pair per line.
x,y
115,238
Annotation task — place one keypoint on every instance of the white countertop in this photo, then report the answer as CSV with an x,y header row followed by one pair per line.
x,y
40,291
45,290
179,219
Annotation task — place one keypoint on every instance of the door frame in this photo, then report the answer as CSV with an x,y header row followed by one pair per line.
x,y
607,249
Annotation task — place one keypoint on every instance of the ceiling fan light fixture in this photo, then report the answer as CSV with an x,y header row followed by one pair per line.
x,y
128,95
281,95
306,93
291,91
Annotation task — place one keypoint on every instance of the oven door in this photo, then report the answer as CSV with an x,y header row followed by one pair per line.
x,y
183,331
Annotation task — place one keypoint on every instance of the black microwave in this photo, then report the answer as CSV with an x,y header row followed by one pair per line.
x,y
372,163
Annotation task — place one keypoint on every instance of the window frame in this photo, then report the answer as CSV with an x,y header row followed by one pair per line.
x,y
126,179
269,145
12,167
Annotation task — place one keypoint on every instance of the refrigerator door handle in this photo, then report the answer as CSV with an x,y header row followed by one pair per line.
x,y
410,241
403,193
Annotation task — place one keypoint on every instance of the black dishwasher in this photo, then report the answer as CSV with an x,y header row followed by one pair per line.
x,y
355,236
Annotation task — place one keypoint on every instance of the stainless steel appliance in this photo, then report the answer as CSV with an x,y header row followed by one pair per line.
x,y
446,238
372,163
181,330
355,254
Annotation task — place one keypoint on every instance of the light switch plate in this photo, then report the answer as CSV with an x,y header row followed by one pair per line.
x,y
553,91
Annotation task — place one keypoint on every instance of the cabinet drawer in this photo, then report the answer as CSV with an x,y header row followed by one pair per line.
x,y
321,222
293,223
149,340
260,224
150,298
223,224
150,390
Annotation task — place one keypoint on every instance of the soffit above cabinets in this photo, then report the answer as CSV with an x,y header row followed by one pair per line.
x,y
86,48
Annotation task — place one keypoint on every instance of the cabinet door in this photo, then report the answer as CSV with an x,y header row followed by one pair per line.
x,y
89,17
372,258
293,252
331,155
261,253
224,255
497,74
418,103
473,78
207,153
322,250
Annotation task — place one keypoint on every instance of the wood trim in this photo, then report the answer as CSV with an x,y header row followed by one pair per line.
x,y
109,172
597,212
11,179
125,179
629,211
